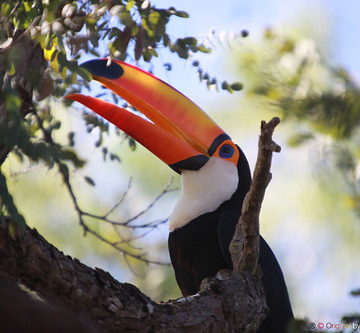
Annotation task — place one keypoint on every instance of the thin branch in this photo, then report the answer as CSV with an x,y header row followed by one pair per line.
x,y
22,36
141,256
244,247
81,214
164,191
104,218
123,197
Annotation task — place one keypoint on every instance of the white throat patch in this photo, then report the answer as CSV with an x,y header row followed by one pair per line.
x,y
204,190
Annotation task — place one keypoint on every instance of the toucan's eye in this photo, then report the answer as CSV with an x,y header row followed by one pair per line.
x,y
226,151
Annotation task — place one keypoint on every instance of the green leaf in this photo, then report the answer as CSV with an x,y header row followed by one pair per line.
x,y
355,292
84,73
204,49
114,157
132,143
70,155
237,86
190,41
182,14
5,9
154,18
226,86
12,102
130,4
125,19
12,69
7,202
89,180
71,138
147,55
61,58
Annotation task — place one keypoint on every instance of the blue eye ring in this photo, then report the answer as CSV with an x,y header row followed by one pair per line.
x,y
226,151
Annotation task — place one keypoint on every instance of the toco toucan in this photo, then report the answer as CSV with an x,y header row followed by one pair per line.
x,y
215,178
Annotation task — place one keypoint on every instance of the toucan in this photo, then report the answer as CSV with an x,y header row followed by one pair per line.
x,y
215,178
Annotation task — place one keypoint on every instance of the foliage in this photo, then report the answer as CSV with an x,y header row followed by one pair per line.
x,y
295,80
41,43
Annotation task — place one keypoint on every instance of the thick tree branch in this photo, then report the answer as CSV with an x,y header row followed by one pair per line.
x,y
244,247
226,302
22,313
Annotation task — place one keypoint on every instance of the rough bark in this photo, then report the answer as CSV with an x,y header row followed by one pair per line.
x,y
228,303
244,247
19,312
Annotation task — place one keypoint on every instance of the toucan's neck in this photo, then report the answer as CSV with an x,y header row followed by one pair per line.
x,y
219,184
204,190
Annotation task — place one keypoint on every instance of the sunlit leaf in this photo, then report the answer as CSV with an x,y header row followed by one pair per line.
x,y
154,18
182,14
130,4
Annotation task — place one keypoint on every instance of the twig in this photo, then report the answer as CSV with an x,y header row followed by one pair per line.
x,y
164,191
23,34
244,247
17,5
121,199
81,213
126,223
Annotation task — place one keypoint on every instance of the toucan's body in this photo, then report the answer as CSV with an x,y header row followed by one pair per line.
x,y
201,248
215,177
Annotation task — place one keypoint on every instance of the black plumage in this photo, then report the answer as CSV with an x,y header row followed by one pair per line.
x,y
200,249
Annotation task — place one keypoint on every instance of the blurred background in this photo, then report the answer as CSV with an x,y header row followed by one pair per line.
x,y
300,62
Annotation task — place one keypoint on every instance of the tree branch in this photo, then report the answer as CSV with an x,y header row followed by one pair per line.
x,y
244,248
226,302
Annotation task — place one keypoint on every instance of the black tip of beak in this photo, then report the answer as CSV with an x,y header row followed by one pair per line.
x,y
99,67
192,163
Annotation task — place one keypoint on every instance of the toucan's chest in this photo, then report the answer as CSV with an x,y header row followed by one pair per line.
x,y
204,191
200,231
196,252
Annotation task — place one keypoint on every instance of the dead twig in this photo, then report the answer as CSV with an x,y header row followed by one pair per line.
x,y
244,247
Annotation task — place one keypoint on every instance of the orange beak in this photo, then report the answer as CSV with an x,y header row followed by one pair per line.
x,y
179,132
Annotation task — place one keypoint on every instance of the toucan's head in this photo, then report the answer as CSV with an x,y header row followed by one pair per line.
x,y
178,132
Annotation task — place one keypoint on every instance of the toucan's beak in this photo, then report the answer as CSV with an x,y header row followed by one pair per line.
x,y
180,133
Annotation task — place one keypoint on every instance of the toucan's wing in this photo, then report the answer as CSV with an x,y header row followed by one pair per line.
x,y
225,233
277,297
183,273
